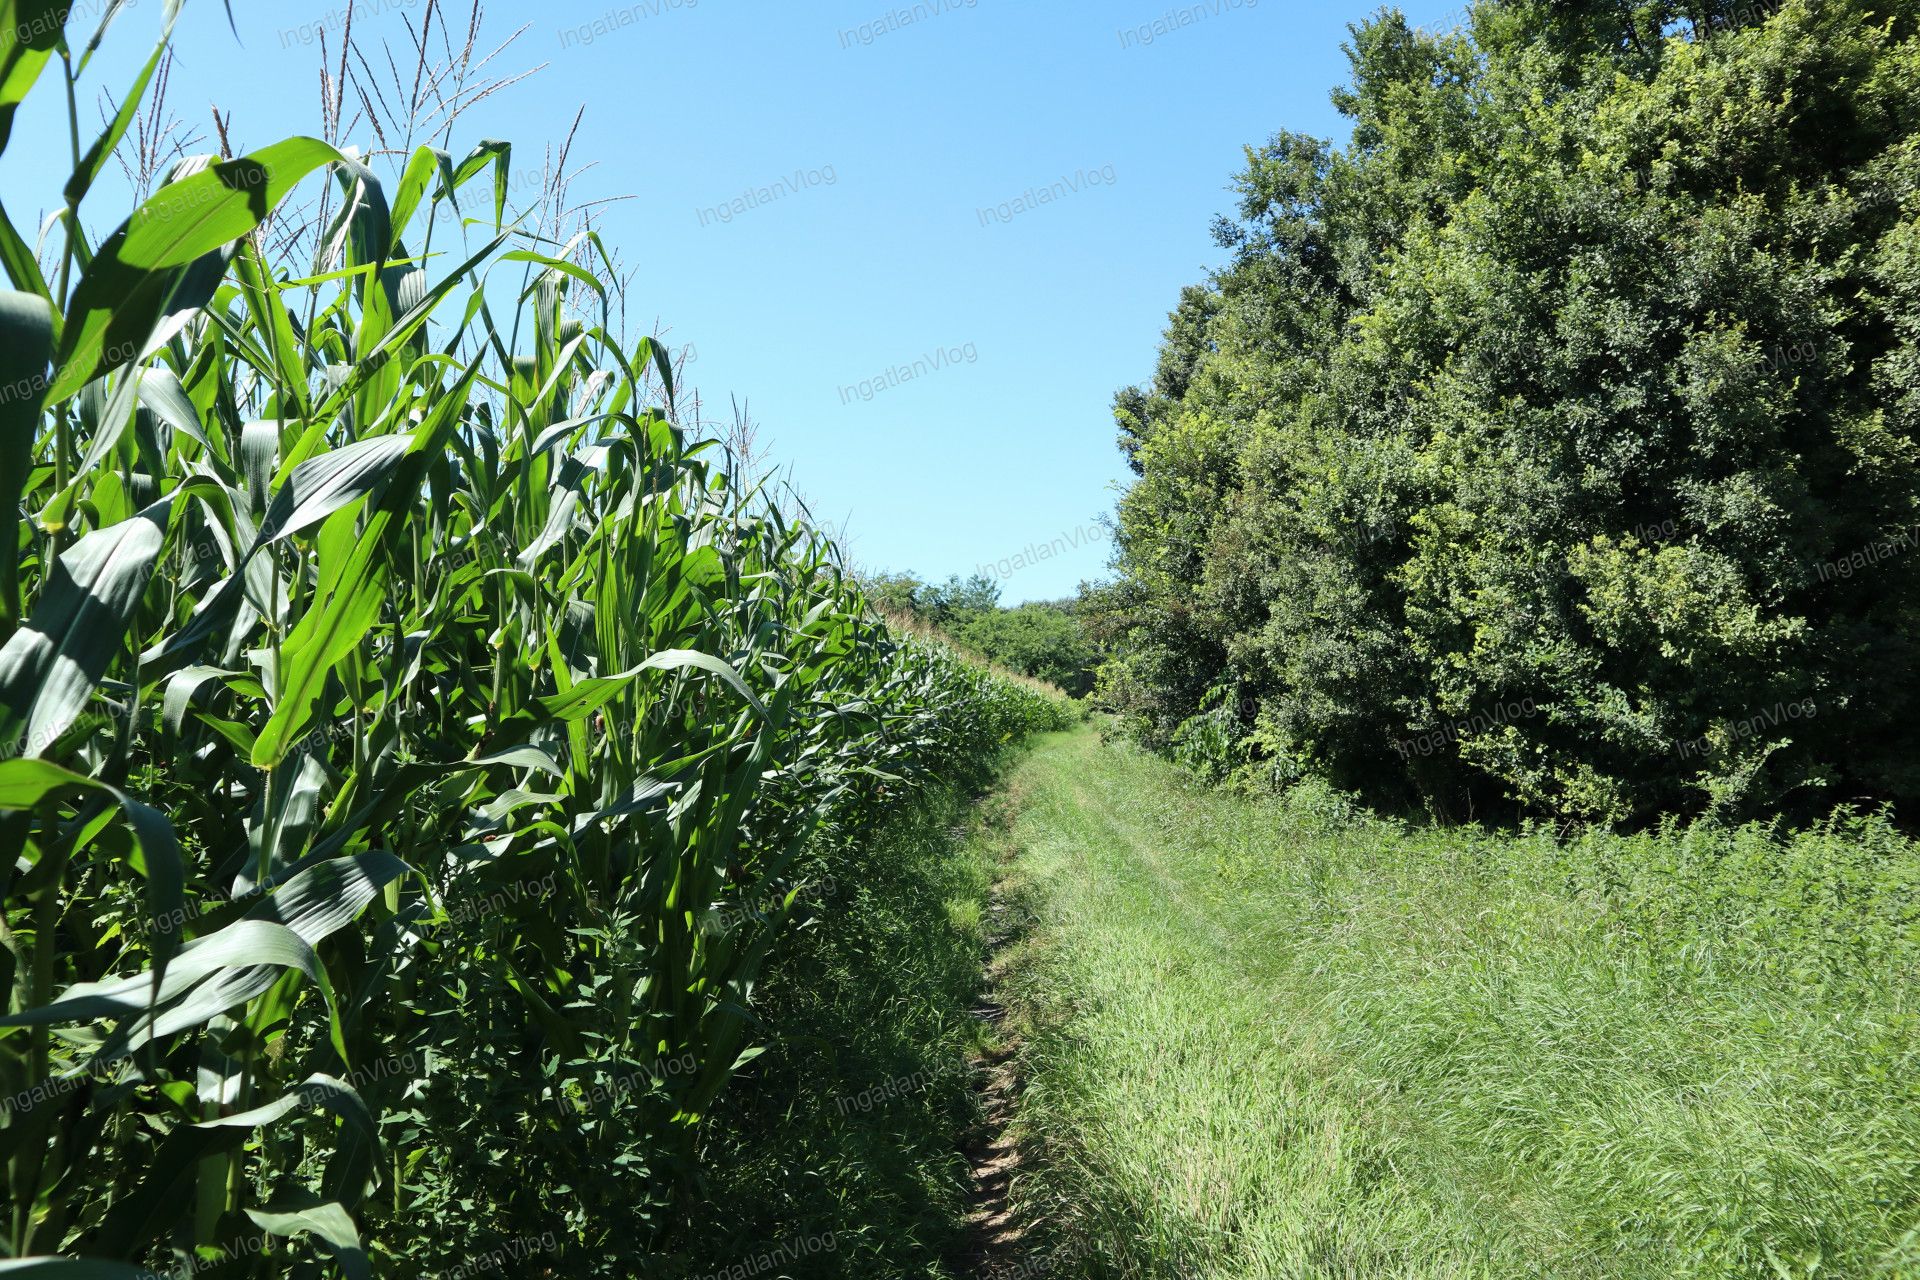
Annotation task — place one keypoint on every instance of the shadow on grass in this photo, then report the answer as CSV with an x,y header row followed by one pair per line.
x,y
837,1152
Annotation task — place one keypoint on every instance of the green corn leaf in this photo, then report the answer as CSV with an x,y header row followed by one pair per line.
x,y
312,905
500,155
113,9
121,296
328,896
72,1269
26,347
183,687
561,265
270,317
409,322
104,146
242,945
218,995
183,291
422,166
51,666
652,355
25,783
292,807
345,605
23,269
330,1223
316,1090
589,695
130,326
321,486
30,30
118,418
351,1169
160,391
364,225
259,454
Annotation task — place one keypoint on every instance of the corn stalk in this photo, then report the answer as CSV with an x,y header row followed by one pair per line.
x,y
411,741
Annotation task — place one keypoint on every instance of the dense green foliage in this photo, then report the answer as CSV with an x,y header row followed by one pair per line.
x,y
946,605
1551,448
413,741
1271,1037
846,1128
1042,640
1045,639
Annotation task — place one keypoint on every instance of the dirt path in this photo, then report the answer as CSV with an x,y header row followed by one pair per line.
x,y
996,1237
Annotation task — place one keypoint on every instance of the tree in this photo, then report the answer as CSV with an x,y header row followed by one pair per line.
x,y
956,602
1551,443
894,593
1045,641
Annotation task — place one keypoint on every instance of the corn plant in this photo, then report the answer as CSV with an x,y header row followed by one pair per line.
x,y
412,740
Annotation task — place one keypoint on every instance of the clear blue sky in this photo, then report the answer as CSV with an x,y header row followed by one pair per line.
x,y
900,136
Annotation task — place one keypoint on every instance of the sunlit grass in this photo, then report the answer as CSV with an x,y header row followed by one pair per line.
x,y
1284,1040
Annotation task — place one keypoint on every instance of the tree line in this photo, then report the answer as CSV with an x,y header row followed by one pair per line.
x,y
1583,379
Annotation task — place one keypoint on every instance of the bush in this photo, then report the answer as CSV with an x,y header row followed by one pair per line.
x,y
1044,641
1585,380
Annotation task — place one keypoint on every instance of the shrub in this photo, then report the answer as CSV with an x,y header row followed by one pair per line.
x,y
1586,378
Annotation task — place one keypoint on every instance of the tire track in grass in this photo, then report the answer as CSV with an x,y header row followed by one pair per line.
x,y
1266,1159
996,1236
1107,831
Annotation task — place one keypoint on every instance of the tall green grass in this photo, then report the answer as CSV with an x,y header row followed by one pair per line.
x,y
848,1128
412,736
1287,1039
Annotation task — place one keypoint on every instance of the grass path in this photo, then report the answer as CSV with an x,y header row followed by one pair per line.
x,y
1265,1041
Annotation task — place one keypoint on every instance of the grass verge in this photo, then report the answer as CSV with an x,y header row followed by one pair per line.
x,y
837,1152
1290,1039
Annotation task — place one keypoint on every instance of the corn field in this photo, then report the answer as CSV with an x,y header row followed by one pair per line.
x,y
413,738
